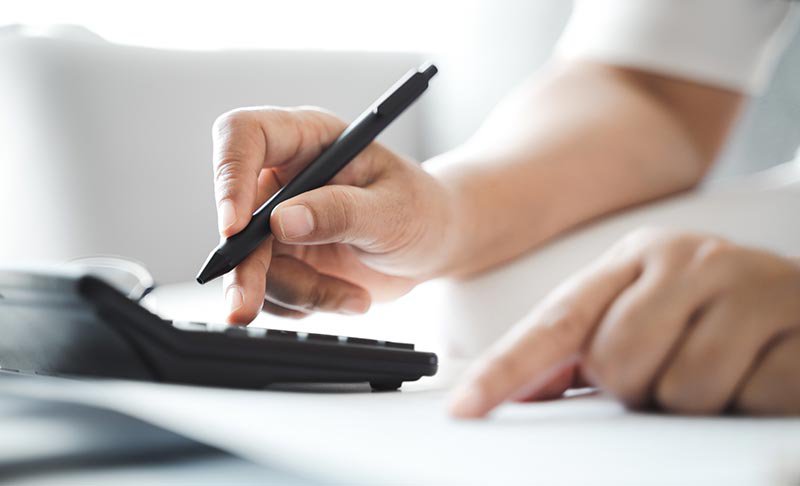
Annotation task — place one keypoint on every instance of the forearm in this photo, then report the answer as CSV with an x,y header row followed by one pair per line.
x,y
578,142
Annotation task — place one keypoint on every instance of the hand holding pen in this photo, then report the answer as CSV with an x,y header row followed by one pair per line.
x,y
379,226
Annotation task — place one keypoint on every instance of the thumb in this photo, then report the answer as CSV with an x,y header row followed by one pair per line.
x,y
334,214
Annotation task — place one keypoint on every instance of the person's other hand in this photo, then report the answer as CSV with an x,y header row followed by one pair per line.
x,y
381,226
680,322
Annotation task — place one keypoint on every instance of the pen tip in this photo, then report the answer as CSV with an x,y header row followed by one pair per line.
x,y
216,265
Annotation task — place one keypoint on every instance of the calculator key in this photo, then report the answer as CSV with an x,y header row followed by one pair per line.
x,y
276,333
256,332
364,341
390,344
238,331
322,337
190,326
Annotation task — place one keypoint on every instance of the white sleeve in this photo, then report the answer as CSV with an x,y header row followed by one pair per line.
x,y
734,44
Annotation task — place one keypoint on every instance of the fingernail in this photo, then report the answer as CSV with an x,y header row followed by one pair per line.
x,y
227,215
234,297
468,403
354,305
295,221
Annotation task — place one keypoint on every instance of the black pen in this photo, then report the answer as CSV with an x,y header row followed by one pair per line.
x,y
350,143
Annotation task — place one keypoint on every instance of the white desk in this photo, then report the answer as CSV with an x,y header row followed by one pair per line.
x,y
405,437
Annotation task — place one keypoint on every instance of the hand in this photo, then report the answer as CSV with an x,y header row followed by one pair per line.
x,y
685,323
381,226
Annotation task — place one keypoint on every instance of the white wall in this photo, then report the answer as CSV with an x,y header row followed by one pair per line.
x,y
494,45
106,149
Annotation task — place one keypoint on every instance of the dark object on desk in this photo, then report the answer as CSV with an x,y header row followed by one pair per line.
x,y
70,323
350,143
52,437
63,442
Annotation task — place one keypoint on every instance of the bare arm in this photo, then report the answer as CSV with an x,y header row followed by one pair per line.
x,y
579,141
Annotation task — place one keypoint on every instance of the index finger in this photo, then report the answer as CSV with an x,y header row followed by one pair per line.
x,y
551,338
248,140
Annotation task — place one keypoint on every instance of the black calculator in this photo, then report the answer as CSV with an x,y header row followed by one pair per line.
x,y
68,323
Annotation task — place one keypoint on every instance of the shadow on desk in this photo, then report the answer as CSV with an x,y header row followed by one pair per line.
x,y
54,442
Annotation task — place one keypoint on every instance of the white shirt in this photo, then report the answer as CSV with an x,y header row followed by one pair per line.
x,y
733,44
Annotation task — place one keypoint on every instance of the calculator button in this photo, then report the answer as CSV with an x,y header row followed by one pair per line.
x,y
256,332
390,344
363,341
238,331
322,337
276,333
190,326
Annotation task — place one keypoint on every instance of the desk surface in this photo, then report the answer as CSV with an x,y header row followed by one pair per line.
x,y
353,436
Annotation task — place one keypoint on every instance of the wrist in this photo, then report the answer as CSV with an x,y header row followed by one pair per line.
x,y
458,223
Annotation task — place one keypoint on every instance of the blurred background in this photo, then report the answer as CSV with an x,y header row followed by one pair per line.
x,y
106,107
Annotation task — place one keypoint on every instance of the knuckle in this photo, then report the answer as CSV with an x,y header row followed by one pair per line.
x,y
675,244
686,388
713,257
659,238
712,251
340,217
670,251
671,396
229,166
281,116
321,125
312,114
227,176
675,249
613,374
609,375
233,120
222,123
